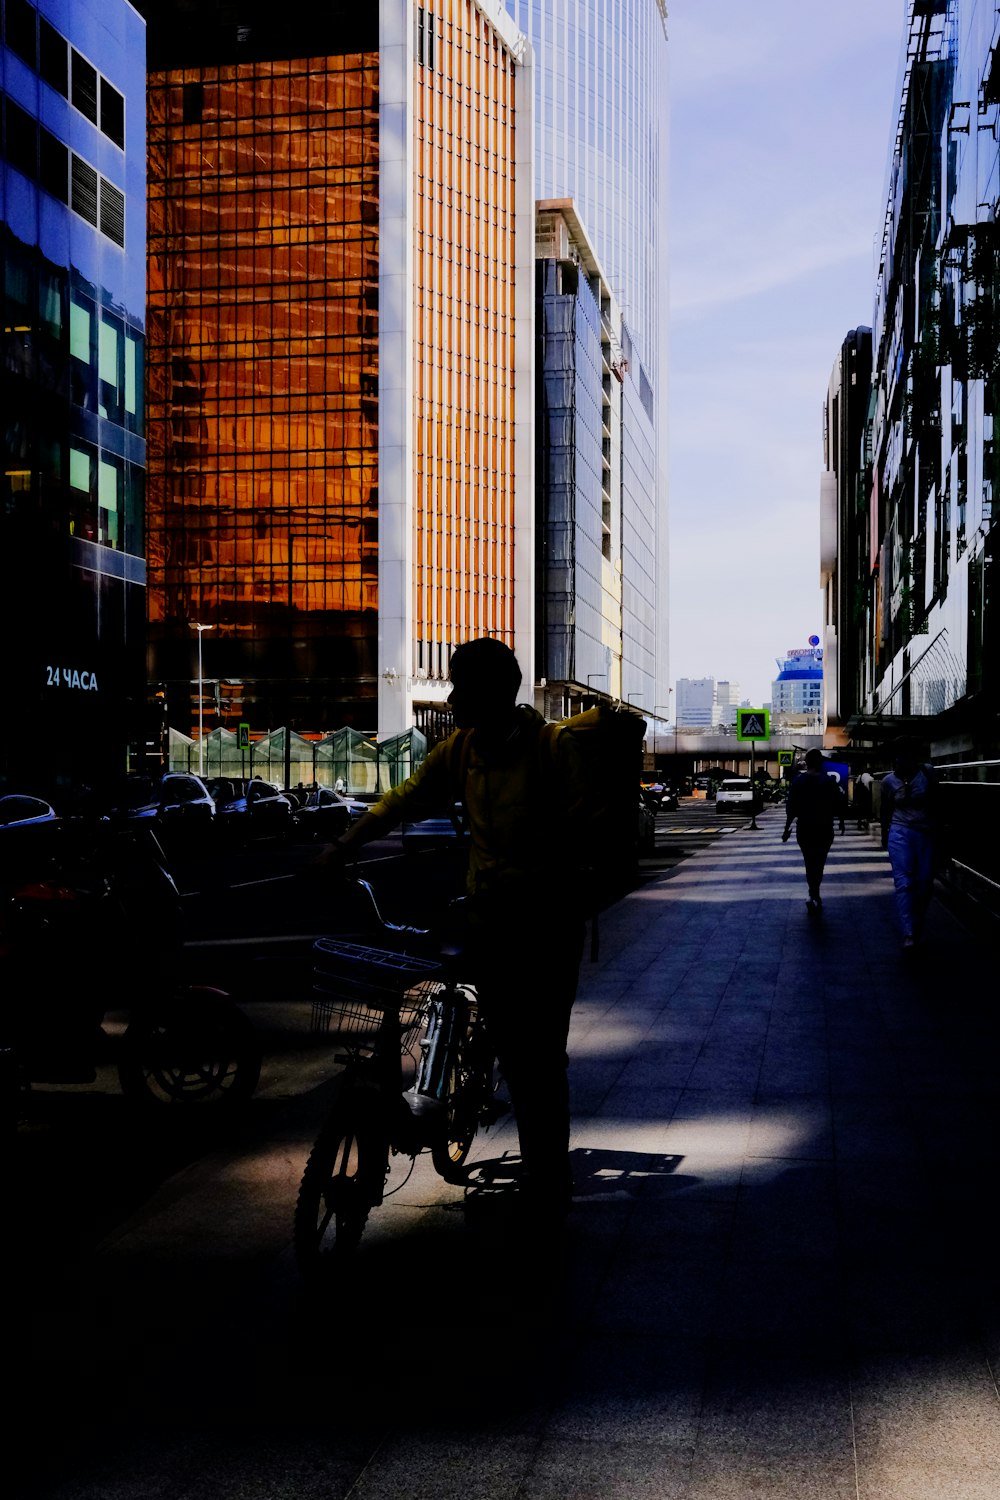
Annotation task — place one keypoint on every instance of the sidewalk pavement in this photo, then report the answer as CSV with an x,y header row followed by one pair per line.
x,y
778,1280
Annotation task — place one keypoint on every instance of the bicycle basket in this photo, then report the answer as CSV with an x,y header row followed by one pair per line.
x,y
354,985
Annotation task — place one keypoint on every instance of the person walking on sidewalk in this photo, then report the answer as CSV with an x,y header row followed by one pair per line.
x,y
815,802
908,815
525,901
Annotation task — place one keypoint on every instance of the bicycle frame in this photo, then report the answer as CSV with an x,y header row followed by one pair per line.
x,y
373,1117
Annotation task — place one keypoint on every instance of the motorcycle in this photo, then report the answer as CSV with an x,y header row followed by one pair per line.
x,y
93,931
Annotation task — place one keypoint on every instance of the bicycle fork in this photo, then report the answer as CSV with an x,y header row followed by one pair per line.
x,y
438,1048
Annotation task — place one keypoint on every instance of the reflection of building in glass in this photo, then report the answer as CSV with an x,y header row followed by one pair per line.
x,y
72,576
798,687
335,483
601,102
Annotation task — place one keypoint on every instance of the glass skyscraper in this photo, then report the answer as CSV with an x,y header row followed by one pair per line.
x,y
601,142
72,271
340,269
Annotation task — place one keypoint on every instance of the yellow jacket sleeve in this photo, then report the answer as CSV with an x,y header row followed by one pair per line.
x,y
428,791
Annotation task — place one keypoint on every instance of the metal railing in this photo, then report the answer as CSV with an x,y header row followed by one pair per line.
x,y
970,810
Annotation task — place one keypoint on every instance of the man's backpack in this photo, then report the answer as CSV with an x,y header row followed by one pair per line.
x,y
608,744
608,741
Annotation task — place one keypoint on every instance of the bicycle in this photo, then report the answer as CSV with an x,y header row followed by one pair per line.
x,y
392,1013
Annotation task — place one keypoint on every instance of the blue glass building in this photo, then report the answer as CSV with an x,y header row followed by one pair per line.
x,y
72,247
798,687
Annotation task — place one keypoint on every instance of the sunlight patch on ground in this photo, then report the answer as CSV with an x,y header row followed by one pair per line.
x,y
777,1135
716,886
606,1038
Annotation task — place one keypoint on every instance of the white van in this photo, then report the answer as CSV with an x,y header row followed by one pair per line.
x,y
737,794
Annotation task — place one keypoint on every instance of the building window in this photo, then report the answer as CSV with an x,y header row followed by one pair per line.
x,y
84,190
84,86
110,369
50,302
112,212
20,32
81,337
112,113
53,57
133,381
82,499
193,101
110,495
425,37
20,139
53,165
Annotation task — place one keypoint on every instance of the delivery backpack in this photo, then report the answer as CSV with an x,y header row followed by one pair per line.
x,y
608,741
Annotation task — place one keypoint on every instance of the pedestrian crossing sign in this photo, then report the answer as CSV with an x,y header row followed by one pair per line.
x,y
786,757
753,724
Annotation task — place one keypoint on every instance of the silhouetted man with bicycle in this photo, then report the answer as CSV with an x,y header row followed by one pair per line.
x,y
525,905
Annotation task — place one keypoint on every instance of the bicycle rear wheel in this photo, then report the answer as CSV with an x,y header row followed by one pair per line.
x,y
467,1087
343,1180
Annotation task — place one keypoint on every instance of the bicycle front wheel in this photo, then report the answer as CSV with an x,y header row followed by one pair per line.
x,y
344,1179
465,1093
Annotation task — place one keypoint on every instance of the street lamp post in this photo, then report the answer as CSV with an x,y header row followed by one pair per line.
x,y
601,677
201,723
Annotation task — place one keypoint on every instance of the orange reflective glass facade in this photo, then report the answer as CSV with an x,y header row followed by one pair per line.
x,y
262,416
463,544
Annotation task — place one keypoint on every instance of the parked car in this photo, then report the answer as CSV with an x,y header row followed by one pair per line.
x,y
29,833
646,832
175,797
16,810
443,832
224,790
325,814
737,794
660,796
251,809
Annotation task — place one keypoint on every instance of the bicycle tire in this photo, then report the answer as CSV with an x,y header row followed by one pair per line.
x,y
464,1096
343,1180
195,1049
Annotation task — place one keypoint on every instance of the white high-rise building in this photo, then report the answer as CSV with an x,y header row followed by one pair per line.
x,y
697,705
601,137
727,696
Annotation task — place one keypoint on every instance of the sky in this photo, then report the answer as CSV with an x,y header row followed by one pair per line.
x,y
781,117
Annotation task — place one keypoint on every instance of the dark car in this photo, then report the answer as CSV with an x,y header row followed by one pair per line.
x,y
29,833
251,809
174,797
326,814
24,811
646,831
445,832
